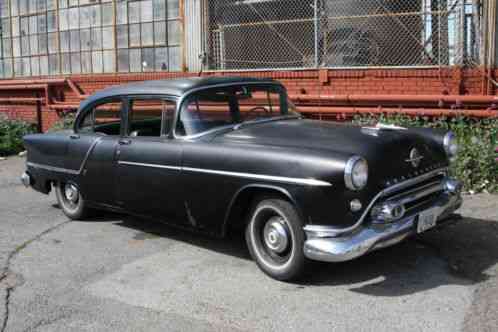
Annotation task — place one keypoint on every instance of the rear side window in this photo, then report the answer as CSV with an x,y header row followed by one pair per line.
x,y
104,119
150,117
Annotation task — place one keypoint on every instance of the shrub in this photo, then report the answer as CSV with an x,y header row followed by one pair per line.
x,y
477,138
11,134
66,122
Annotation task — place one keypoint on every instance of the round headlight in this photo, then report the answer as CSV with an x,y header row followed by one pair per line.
x,y
356,173
450,144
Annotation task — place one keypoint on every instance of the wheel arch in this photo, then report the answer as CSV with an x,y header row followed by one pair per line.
x,y
243,199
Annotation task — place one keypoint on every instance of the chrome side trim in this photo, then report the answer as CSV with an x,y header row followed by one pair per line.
x,y
300,181
53,168
131,163
67,170
327,231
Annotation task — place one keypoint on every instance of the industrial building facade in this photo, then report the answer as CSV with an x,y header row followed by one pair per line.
x,y
66,49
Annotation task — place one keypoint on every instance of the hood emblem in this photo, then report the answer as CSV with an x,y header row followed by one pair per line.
x,y
415,158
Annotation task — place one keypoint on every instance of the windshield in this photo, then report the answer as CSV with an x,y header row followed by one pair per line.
x,y
221,107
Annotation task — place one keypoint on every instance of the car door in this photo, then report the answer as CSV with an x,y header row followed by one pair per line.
x,y
93,150
149,162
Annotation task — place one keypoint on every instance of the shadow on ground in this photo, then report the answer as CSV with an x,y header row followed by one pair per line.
x,y
460,253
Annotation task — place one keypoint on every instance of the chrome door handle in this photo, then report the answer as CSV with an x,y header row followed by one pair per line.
x,y
125,142
74,136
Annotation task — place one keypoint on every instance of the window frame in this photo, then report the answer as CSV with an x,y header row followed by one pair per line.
x,y
128,100
187,97
90,110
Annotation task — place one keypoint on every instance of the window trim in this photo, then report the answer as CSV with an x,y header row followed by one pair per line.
x,y
182,103
128,102
90,109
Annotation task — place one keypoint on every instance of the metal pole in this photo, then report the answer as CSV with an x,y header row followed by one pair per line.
x,y
316,32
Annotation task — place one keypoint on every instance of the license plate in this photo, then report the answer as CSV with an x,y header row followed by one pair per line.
x,y
426,220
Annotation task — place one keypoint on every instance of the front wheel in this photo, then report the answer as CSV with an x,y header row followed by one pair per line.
x,y
275,239
70,200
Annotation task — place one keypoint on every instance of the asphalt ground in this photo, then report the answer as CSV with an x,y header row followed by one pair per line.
x,y
120,273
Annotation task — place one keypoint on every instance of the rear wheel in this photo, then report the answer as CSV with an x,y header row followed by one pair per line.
x,y
275,239
70,200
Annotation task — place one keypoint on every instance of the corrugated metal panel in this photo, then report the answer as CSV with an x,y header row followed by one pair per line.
x,y
193,34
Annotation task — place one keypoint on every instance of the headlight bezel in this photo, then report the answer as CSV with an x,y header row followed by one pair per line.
x,y
349,173
450,144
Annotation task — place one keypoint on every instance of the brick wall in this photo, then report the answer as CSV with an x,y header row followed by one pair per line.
x,y
372,81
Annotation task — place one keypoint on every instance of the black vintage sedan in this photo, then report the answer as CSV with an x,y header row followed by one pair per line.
x,y
219,154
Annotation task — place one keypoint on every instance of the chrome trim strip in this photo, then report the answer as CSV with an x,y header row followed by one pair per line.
x,y
130,163
53,168
327,231
67,170
300,181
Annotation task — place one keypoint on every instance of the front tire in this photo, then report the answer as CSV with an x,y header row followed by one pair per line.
x,y
275,239
70,200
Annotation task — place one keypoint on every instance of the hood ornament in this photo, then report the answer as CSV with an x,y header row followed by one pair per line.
x,y
415,158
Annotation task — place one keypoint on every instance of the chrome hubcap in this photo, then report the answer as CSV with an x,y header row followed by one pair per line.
x,y
275,235
71,193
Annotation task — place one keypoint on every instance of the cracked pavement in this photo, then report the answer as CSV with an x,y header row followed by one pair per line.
x,y
116,272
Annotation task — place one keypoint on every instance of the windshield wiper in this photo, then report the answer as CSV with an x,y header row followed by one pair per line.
x,y
258,121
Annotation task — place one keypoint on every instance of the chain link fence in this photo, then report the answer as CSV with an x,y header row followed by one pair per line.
x,y
294,34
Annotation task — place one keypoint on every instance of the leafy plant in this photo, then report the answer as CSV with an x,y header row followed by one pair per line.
x,y
11,134
475,165
66,122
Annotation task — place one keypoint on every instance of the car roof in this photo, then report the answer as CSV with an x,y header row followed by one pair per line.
x,y
173,87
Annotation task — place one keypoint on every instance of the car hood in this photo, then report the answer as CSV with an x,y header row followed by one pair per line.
x,y
386,150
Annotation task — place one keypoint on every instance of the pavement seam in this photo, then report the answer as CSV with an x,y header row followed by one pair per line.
x,y
6,268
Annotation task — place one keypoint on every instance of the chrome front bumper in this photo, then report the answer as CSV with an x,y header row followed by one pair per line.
x,y
323,244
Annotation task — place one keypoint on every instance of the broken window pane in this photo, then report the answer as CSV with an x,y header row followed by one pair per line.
x,y
85,21
51,4
24,26
16,32
25,46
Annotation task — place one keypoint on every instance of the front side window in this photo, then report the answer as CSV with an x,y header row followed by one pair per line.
x,y
150,117
103,119
224,107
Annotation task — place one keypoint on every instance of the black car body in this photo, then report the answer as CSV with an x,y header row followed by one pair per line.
x,y
213,154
